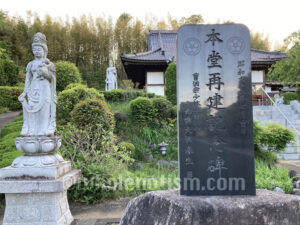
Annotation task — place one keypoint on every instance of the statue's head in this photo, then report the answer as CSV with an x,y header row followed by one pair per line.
x,y
110,63
39,45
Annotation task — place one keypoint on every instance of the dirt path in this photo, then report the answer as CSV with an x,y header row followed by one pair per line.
x,y
291,165
7,118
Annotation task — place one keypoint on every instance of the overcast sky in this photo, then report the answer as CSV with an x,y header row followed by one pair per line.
x,y
276,18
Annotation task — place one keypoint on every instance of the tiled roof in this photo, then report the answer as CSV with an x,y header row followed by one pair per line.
x,y
264,56
155,55
162,47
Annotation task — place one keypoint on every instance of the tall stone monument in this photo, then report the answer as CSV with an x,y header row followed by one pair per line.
x,y
111,77
215,110
36,184
215,140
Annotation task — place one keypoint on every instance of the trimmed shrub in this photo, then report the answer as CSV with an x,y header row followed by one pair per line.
x,y
276,137
67,100
8,73
72,85
142,110
270,139
127,147
173,112
91,112
289,96
9,97
114,95
66,73
162,107
171,83
125,95
150,95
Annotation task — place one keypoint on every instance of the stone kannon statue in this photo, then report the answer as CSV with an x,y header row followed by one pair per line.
x,y
111,77
38,141
39,96
36,183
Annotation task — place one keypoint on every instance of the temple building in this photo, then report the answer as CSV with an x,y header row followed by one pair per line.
x,y
147,68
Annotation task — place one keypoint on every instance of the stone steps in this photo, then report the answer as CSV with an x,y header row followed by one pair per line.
x,y
269,114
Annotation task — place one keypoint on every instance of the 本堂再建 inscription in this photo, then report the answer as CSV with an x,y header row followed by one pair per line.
x,y
215,110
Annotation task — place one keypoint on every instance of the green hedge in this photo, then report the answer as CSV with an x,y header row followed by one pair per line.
x,y
67,99
171,83
9,97
127,147
163,108
125,95
72,85
91,113
143,110
8,73
66,73
289,96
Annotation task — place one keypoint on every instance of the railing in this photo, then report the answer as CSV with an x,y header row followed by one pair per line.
x,y
287,121
260,100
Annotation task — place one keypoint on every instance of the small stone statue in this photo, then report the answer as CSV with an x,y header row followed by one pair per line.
x,y
111,77
39,96
278,100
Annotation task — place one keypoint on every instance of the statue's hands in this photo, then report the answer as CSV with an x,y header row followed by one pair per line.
x,y
21,98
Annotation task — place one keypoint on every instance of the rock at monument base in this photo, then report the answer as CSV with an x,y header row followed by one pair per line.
x,y
168,207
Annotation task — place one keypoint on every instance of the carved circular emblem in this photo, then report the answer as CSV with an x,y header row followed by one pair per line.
x,y
235,45
191,46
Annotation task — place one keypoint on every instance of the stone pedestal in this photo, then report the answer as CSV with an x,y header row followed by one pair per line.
x,y
38,201
170,208
36,184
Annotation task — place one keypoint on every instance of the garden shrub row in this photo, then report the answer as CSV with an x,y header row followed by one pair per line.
x,y
171,83
92,113
125,95
289,96
8,73
9,97
66,73
67,99
151,111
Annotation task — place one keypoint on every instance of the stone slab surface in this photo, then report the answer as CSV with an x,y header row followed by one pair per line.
x,y
168,207
215,131
51,173
34,186
37,209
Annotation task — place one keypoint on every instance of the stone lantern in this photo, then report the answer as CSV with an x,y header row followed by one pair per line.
x,y
163,148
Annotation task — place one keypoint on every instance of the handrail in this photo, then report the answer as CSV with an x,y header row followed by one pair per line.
x,y
280,111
